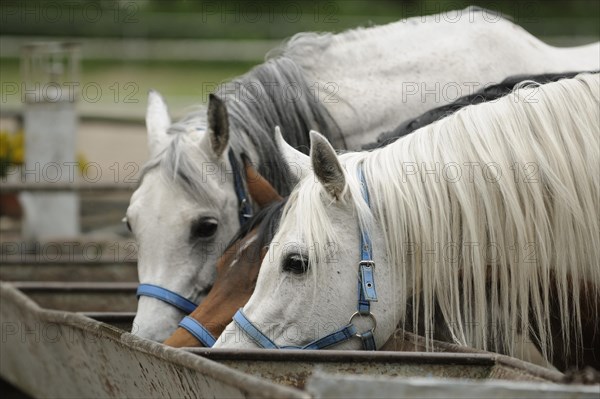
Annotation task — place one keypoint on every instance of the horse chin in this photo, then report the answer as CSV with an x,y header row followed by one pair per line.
x,y
155,320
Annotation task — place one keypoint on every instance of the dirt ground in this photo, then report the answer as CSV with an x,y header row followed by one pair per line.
x,y
118,149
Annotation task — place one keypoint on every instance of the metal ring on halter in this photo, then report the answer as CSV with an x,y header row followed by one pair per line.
x,y
243,205
364,315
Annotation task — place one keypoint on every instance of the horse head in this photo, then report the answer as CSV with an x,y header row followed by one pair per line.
x,y
238,267
183,212
307,286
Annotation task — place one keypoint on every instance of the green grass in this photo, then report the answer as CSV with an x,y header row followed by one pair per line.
x,y
124,85
270,19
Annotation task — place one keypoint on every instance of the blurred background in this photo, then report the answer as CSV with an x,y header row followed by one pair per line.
x,y
68,164
176,46
184,48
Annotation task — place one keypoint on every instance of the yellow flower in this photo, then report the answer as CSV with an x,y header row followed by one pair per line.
x,y
18,156
81,162
12,151
5,146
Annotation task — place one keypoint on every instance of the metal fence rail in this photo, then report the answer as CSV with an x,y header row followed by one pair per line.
x,y
67,268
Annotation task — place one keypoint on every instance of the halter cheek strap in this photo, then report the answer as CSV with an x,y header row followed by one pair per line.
x,y
366,276
245,209
199,332
366,295
168,296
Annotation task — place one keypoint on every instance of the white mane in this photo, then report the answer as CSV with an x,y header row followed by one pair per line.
x,y
497,240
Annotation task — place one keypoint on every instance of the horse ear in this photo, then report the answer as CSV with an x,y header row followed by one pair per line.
x,y
297,162
157,122
326,165
218,125
261,191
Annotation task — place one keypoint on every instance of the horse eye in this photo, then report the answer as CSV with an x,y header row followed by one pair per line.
x,y
204,228
296,264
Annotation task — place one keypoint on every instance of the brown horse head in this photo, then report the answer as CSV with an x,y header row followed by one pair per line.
x,y
238,267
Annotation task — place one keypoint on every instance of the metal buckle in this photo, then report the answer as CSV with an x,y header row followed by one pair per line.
x,y
367,263
373,319
243,204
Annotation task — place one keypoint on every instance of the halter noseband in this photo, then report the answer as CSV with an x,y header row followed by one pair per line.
x,y
193,326
366,295
199,332
167,296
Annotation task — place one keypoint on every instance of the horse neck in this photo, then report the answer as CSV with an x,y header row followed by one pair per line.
x,y
509,214
407,81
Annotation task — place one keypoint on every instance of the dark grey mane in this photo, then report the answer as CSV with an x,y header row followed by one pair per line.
x,y
275,93
489,93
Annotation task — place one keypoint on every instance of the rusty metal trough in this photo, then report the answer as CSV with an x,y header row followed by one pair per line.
x,y
65,334
49,353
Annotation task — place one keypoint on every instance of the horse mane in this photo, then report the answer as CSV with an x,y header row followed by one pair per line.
x,y
483,244
276,93
486,94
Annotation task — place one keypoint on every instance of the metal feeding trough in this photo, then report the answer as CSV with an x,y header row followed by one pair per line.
x,y
49,353
63,354
74,283
81,296
294,368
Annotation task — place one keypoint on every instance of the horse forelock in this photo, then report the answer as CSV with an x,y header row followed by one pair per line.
x,y
179,162
505,234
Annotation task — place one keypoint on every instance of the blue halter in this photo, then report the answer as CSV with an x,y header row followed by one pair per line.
x,y
366,295
199,332
168,296
182,303
341,335
245,209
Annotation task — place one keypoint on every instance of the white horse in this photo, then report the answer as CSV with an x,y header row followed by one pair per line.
x,y
492,213
361,82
